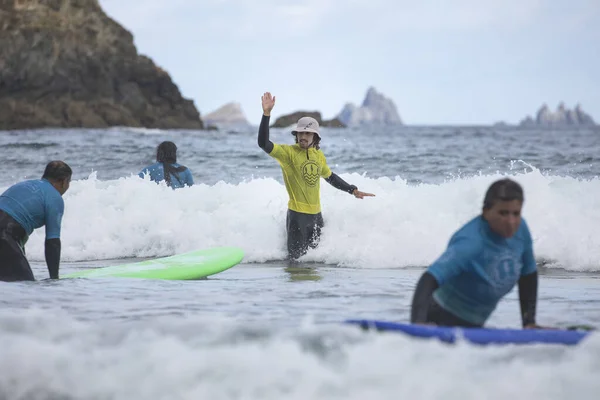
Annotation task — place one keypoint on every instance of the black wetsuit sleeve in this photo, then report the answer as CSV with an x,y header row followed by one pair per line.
x,y
263,135
528,285
52,253
339,183
422,298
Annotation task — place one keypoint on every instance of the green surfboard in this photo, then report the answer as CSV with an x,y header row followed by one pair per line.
x,y
187,266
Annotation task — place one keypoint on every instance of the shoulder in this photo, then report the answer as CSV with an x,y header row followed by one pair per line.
x,y
36,183
27,187
469,235
51,194
46,186
153,166
282,149
285,147
471,228
464,247
26,184
149,168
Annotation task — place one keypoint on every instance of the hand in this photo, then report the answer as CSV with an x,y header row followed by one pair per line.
x,y
359,195
268,102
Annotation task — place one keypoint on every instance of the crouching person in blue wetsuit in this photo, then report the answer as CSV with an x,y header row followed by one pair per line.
x,y
482,263
166,168
26,206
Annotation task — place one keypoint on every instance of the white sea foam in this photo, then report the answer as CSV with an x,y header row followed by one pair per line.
x,y
404,225
54,356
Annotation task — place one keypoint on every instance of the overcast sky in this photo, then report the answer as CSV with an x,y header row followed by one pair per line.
x,y
441,62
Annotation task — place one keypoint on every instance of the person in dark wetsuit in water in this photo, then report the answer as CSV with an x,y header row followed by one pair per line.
x,y
302,164
26,206
166,168
484,260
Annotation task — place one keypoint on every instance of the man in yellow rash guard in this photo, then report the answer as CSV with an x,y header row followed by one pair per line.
x,y
302,164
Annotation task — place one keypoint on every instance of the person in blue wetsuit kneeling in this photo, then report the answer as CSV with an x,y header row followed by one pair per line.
x,y
26,206
166,168
482,263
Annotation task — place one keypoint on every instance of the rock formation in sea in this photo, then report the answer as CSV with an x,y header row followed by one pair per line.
x,y
375,109
228,116
65,63
291,119
562,117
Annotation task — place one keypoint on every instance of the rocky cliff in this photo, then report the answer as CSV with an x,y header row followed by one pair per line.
x,y
291,119
375,109
228,116
562,117
65,63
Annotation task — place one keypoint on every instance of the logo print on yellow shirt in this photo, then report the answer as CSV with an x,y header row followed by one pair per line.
x,y
310,173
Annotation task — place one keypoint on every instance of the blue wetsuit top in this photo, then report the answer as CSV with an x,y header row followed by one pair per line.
x,y
479,267
34,203
157,174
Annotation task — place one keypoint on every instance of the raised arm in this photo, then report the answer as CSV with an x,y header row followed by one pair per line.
x,y
268,102
263,135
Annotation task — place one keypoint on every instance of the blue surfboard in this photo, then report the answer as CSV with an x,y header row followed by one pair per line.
x,y
482,336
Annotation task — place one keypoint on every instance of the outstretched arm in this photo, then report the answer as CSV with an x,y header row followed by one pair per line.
x,y
338,183
268,102
52,253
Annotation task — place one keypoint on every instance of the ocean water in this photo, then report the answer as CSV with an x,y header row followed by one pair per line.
x,y
268,329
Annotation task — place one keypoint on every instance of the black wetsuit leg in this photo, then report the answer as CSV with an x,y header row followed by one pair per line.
x,y
303,231
13,263
441,317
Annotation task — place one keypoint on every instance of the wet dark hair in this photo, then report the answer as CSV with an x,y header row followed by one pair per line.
x,y
57,171
316,139
502,190
166,153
